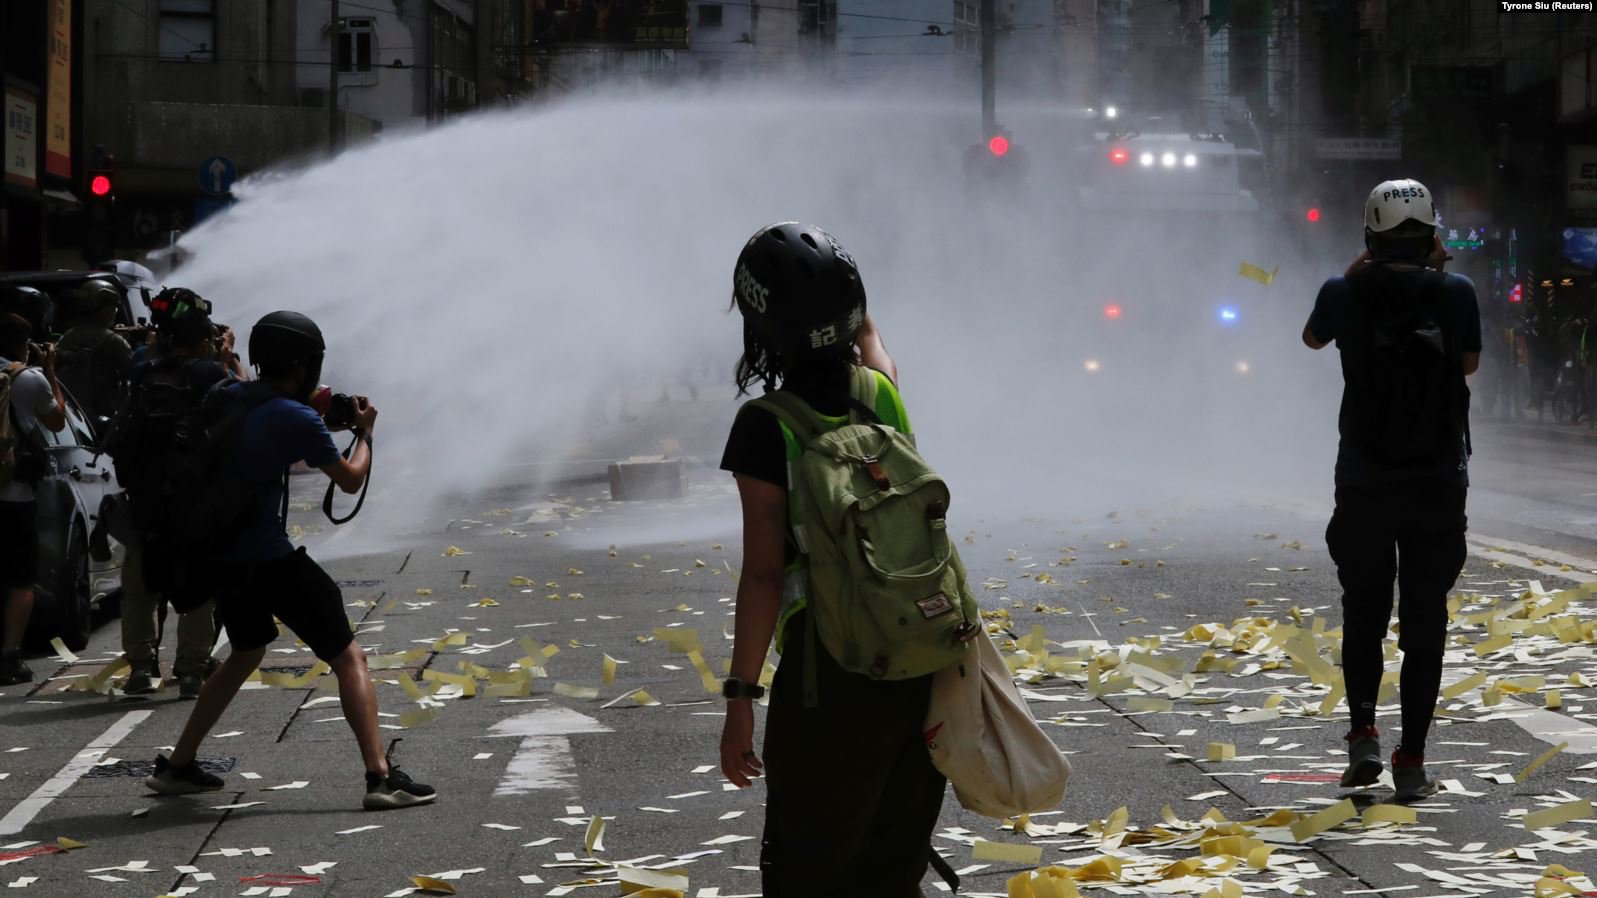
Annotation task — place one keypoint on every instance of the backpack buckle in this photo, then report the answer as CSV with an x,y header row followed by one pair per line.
x,y
873,467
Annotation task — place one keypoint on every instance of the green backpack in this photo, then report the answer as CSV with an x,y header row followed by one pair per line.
x,y
887,592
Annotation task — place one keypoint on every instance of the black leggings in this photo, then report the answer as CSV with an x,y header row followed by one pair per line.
x,y
852,796
1415,534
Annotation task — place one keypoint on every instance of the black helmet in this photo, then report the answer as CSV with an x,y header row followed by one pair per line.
x,y
799,290
181,314
29,302
95,294
282,340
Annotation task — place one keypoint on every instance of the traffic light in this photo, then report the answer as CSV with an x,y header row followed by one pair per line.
x,y
1112,311
99,207
1313,215
998,145
996,166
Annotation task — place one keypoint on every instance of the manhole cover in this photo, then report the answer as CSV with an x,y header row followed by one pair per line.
x,y
142,769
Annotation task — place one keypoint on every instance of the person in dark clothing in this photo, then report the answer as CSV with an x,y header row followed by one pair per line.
x,y
852,796
1407,334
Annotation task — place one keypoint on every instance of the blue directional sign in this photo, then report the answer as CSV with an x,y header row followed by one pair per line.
x,y
217,175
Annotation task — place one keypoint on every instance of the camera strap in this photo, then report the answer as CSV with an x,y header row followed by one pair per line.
x,y
327,500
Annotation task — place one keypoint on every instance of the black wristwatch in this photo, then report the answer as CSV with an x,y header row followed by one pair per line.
x,y
734,688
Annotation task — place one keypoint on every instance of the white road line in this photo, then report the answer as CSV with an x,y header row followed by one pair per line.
x,y
544,760
1524,554
53,788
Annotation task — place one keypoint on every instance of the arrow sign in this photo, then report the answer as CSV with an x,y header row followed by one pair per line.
x,y
217,175
544,759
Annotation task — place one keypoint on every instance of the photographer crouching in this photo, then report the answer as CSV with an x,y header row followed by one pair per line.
x,y
259,430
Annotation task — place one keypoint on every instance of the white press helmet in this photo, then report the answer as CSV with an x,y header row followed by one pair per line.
x,y
1392,203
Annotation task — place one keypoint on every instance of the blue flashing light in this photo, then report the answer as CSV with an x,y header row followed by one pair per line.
x,y
1228,314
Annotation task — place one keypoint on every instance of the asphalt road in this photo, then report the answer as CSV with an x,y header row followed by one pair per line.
x,y
521,777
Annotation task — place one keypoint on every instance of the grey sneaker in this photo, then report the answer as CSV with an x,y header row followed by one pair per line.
x,y
1363,758
1410,780
142,681
170,780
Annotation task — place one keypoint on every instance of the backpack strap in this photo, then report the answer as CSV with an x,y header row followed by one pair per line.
x,y
862,396
805,423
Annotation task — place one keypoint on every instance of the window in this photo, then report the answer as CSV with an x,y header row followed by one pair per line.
x,y
709,15
188,30
356,45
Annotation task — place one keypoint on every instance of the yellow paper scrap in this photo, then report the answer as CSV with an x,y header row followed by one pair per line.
x,y
1259,857
1309,827
1048,882
453,639
680,639
1496,643
634,880
66,844
429,884
485,603
454,552
707,676
656,893
1558,815
570,691
519,689
62,650
1102,869
424,592
1555,699
1468,684
1255,273
417,716
467,684
984,850
1148,703
1222,751
609,671
97,683
594,840
644,698
1390,813
1535,765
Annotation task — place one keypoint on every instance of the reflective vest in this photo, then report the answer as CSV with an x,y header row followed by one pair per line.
x,y
795,584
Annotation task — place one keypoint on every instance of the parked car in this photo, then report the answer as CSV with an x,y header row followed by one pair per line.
x,y
136,292
79,569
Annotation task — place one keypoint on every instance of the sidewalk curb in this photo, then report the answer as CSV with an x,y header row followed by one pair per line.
x,y
1564,434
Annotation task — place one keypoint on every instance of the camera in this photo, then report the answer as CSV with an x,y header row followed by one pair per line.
x,y
337,409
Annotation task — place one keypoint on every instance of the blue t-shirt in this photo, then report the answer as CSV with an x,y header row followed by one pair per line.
x,y
274,436
1336,317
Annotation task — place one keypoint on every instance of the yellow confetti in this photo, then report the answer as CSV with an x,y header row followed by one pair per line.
x,y
984,850
418,716
645,699
1311,826
1536,765
66,844
594,840
609,671
1468,684
1255,273
711,684
574,572
436,886
424,592
1389,813
1557,815
1222,751
485,603
582,692
454,552
520,581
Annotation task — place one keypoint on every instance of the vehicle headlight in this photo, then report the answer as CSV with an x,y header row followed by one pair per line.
x,y
1168,160
1146,159
1190,160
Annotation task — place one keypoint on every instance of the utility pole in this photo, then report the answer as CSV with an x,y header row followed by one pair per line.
x,y
334,30
988,19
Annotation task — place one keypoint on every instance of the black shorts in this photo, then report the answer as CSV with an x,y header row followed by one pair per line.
x,y
19,545
296,591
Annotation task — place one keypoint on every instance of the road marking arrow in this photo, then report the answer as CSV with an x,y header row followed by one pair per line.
x,y
544,760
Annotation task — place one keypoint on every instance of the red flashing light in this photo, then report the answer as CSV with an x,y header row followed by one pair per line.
x,y
1313,214
1111,311
1119,156
1516,294
100,185
998,145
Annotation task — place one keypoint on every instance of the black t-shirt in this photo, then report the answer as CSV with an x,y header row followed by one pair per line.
x,y
1333,319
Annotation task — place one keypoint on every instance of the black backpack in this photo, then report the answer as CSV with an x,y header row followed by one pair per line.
x,y
141,435
91,378
1411,401
204,504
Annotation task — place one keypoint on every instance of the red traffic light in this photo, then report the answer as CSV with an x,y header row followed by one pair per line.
x,y
1119,156
100,185
1313,214
998,145
1111,311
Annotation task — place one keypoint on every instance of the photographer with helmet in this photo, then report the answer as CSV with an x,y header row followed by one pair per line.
x,y
93,360
1408,334
264,428
835,738
163,389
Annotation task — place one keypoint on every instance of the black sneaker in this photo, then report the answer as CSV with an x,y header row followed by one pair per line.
x,y
187,780
189,685
13,670
142,681
396,790
1363,758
